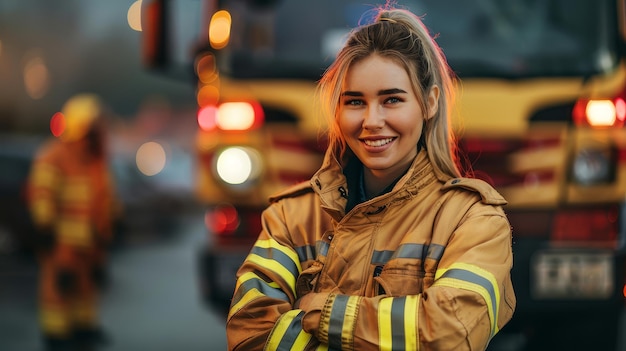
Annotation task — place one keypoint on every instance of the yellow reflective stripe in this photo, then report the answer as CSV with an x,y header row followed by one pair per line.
x,y
42,211
76,190
287,333
272,243
417,322
398,323
44,175
55,321
322,347
340,334
469,277
410,322
250,281
74,232
339,324
246,298
384,324
251,275
275,265
302,340
347,336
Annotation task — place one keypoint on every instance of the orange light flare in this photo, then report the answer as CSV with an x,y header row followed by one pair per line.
x,y
206,68
219,29
208,95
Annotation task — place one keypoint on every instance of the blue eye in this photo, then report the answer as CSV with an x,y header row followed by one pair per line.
x,y
353,102
393,100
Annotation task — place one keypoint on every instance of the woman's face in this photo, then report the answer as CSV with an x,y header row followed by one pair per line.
x,y
380,116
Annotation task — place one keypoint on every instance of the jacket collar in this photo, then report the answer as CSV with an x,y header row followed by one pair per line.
x,y
330,183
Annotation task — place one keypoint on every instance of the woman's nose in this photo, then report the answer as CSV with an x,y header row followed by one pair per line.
x,y
373,118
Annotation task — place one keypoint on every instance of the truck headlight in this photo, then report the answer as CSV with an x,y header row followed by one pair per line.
x,y
591,167
238,166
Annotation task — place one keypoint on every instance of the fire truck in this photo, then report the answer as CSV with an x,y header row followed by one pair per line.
x,y
541,113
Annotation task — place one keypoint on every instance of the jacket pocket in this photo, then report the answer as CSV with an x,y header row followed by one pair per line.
x,y
399,282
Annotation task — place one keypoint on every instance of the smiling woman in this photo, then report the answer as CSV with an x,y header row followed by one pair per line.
x,y
382,123
386,246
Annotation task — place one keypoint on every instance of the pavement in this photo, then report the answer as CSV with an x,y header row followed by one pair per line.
x,y
152,303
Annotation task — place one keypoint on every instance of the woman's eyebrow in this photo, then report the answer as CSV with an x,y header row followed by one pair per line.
x,y
391,91
380,92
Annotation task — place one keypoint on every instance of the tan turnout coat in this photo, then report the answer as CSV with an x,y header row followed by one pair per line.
x,y
425,266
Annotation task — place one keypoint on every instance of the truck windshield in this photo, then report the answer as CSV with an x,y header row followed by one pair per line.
x,y
484,38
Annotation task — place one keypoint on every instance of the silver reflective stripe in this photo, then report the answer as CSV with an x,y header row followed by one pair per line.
x,y
415,251
335,325
306,253
322,247
262,287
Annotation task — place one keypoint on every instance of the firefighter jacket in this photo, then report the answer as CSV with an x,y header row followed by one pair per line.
x,y
425,266
71,193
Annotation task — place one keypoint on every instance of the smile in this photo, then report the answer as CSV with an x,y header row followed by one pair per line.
x,y
378,142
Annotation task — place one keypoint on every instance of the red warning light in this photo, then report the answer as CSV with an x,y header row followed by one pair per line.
x,y
57,124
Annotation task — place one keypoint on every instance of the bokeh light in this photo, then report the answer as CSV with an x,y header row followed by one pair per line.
x,y
134,16
234,165
36,78
206,69
206,117
150,158
222,219
601,112
219,29
57,124
208,95
235,116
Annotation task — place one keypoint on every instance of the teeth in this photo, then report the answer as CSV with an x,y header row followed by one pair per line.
x,y
379,142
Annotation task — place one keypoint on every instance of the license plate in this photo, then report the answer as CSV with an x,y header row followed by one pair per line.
x,y
567,275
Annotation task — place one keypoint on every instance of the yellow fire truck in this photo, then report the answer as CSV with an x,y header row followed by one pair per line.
x,y
541,117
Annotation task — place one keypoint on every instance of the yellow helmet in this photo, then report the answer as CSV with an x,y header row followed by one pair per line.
x,y
80,112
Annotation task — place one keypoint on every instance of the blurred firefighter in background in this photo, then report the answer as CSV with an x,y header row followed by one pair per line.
x,y
73,205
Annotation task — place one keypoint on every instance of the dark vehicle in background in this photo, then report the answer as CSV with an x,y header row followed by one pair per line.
x,y
541,116
17,235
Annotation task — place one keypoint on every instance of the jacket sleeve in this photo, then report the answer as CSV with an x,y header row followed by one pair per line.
x,y
470,299
262,314
42,182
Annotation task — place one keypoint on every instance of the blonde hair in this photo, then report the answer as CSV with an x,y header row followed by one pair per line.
x,y
400,35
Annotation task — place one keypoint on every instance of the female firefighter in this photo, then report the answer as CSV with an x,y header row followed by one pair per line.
x,y
72,206
387,247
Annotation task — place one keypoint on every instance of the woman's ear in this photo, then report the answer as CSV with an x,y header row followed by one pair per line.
x,y
433,101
